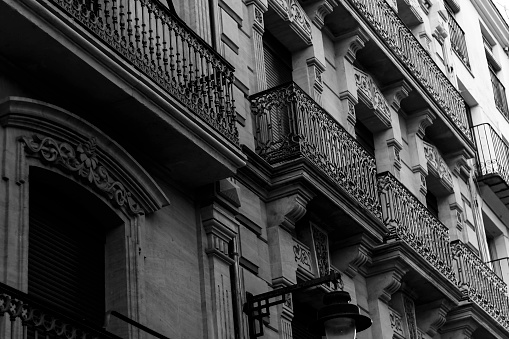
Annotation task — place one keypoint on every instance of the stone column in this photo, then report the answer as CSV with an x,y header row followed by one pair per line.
x,y
346,47
256,9
221,227
283,211
383,281
416,126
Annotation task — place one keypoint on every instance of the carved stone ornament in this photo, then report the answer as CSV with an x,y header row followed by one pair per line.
x,y
321,246
410,317
82,161
302,256
373,98
438,166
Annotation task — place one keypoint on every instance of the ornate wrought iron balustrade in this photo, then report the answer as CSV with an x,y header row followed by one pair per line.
x,y
160,45
480,284
492,152
409,220
289,124
386,23
26,318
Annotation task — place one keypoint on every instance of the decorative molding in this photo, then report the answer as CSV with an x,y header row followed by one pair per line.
x,y
372,97
320,10
82,161
99,161
396,92
395,147
354,40
384,279
302,256
418,122
437,166
432,316
320,250
396,322
315,69
285,211
292,12
411,322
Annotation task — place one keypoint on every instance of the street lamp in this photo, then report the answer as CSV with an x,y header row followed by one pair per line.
x,y
338,319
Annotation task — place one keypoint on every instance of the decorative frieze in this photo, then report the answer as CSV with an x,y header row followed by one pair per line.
x,y
321,251
396,322
437,166
302,256
83,162
291,11
372,97
410,317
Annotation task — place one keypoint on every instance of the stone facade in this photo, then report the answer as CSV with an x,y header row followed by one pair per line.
x,y
228,147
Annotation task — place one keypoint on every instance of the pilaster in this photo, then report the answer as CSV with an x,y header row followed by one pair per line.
x,y
416,126
256,8
221,227
346,47
383,281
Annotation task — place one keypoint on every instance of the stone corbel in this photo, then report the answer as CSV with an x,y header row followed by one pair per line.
x,y
459,164
416,127
396,92
459,326
432,316
287,210
418,122
384,279
395,148
350,43
351,255
319,10
315,70
220,227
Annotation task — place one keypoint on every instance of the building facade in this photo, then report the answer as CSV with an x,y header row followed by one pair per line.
x,y
161,159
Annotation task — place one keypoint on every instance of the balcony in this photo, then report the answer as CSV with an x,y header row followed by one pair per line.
x,y
480,284
289,125
410,221
492,161
393,33
26,318
131,68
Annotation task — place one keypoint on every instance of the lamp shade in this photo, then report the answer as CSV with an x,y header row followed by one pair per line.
x,y
337,306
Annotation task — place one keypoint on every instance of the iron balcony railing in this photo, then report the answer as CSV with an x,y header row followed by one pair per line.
x,y
26,318
386,23
492,152
499,95
480,284
458,41
410,221
290,124
159,44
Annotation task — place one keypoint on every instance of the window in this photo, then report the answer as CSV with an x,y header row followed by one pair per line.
x,y
278,61
432,203
498,92
66,253
458,42
365,137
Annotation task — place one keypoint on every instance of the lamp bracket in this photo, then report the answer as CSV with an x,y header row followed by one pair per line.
x,y
257,306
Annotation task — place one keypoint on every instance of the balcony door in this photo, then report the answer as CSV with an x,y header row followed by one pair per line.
x,y
278,61
66,255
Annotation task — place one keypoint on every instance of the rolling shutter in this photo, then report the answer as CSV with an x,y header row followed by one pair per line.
x,y
278,62
65,257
